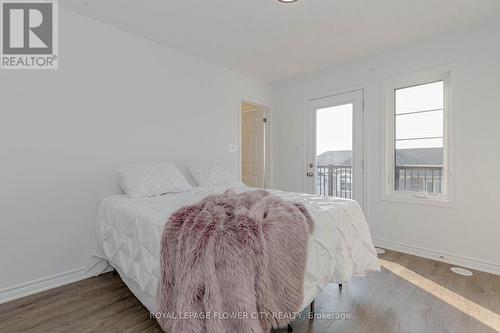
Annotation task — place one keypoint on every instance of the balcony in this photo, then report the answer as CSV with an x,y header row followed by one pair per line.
x,y
336,180
419,178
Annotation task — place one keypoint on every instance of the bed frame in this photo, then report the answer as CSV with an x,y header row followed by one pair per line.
x,y
290,326
311,312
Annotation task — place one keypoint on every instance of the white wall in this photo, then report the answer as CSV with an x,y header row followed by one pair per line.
x,y
116,99
469,230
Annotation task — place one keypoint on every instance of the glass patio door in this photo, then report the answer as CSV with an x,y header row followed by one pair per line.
x,y
335,146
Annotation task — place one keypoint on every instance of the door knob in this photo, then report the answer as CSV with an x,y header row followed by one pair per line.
x,y
310,174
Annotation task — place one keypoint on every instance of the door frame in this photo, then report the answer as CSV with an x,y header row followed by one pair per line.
x,y
359,152
267,140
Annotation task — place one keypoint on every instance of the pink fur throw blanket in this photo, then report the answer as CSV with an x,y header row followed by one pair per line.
x,y
233,263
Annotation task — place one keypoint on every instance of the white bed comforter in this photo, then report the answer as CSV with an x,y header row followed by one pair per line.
x,y
129,232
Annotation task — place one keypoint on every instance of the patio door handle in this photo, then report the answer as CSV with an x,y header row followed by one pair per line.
x,y
310,174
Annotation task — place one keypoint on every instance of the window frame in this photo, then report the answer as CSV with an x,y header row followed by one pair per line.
x,y
446,198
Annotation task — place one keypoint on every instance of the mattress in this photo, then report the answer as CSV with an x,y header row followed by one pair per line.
x,y
128,233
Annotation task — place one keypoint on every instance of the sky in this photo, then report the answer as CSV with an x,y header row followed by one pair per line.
x,y
413,130
334,129
429,98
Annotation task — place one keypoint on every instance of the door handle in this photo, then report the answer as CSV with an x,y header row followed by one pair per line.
x,y
310,174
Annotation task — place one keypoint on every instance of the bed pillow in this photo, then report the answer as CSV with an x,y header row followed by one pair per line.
x,y
211,175
151,179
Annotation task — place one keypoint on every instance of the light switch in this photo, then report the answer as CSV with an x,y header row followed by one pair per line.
x,y
232,148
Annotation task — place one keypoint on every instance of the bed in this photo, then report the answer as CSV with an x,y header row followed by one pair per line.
x,y
129,231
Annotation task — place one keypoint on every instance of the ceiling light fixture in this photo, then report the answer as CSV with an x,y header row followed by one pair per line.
x,y
287,1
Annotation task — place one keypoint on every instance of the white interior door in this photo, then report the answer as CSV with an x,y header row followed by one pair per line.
x,y
335,146
253,147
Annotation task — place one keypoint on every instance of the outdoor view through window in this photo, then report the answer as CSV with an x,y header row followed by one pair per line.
x,y
419,138
418,121
334,151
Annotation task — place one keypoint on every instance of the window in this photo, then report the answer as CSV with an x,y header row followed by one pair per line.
x,y
417,164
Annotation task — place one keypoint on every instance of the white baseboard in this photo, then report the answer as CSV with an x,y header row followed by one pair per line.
x,y
32,287
478,265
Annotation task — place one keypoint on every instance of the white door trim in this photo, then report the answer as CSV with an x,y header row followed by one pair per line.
x,y
357,98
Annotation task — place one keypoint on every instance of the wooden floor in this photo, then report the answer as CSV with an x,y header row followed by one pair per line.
x,y
410,295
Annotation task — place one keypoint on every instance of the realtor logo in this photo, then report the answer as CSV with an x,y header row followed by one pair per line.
x,y
29,34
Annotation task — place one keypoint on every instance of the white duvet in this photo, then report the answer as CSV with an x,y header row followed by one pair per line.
x,y
129,232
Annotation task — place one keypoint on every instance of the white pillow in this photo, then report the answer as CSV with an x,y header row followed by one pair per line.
x,y
211,175
151,179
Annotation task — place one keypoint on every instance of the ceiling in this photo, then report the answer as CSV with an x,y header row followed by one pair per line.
x,y
272,41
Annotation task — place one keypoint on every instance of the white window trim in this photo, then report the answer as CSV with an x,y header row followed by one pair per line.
x,y
389,86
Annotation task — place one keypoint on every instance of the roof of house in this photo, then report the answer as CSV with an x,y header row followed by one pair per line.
x,y
414,156
419,156
339,157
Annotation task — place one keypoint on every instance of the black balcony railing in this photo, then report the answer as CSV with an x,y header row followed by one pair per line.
x,y
415,178
334,180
